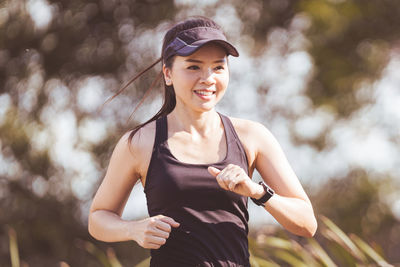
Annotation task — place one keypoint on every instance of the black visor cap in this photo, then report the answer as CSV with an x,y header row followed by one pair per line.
x,y
189,41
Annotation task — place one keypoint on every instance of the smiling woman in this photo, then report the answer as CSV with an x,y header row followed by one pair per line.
x,y
196,165
200,80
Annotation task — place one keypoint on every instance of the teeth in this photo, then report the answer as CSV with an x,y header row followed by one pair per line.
x,y
205,93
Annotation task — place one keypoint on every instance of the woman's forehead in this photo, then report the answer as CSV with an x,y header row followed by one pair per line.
x,y
209,52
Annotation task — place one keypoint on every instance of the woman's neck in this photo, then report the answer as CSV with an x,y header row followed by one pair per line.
x,y
198,123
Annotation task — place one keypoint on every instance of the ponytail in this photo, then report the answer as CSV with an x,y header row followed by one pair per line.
x,y
131,81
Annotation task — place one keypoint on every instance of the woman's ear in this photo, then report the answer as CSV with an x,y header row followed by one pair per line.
x,y
167,75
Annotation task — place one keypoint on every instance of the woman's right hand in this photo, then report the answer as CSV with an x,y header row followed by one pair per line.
x,y
153,232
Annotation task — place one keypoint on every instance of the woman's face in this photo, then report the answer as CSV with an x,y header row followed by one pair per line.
x,y
200,80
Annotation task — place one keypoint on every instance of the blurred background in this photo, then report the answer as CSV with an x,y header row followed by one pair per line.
x,y
322,75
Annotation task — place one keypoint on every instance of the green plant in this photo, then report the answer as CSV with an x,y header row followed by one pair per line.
x,y
107,259
14,254
335,248
340,250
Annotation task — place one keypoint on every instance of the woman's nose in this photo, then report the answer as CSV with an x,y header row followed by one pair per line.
x,y
207,77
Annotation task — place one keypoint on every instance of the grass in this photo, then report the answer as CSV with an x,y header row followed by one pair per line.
x,y
338,249
335,248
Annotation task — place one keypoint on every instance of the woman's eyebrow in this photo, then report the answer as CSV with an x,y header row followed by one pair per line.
x,y
222,60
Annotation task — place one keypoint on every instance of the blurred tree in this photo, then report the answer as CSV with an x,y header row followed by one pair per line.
x,y
351,41
50,231
83,38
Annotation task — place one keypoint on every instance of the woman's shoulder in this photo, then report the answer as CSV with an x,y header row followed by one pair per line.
x,y
247,127
254,134
130,145
137,148
143,139
251,133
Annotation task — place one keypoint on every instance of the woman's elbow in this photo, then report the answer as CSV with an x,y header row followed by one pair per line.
x,y
309,229
310,225
305,228
314,227
92,227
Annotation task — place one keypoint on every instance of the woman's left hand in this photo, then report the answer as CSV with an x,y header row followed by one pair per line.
x,y
233,178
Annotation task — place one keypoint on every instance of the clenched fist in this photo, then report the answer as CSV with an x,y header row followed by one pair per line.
x,y
153,232
234,178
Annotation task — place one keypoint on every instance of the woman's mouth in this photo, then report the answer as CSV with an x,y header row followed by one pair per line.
x,y
204,93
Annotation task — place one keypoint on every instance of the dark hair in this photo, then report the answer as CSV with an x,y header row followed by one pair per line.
x,y
169,93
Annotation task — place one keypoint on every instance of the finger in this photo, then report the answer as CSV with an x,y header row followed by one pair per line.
x,y
156,240
235,178
166,227
160,233
151,246
213,171
155,231
170,221
221,181
231,184
225,176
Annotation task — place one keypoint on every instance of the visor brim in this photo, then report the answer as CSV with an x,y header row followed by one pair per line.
x,y
190,49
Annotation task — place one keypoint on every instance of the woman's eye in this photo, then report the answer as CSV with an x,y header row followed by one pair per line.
x,y
219,68
193,67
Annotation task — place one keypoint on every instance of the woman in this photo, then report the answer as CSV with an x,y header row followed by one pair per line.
x,y
196,165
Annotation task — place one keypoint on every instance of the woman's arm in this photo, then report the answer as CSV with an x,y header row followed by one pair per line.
x,y
104,218
124,170
290,205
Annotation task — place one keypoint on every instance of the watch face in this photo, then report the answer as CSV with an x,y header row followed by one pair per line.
x,y
269,192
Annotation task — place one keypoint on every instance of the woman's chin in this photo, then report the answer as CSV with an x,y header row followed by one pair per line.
x,y
205,107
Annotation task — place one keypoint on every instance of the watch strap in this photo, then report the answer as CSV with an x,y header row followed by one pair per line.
x,y
269,192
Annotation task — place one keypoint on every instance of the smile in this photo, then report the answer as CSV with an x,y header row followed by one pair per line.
x,y
204,92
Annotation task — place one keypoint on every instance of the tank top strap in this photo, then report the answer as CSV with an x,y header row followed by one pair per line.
x,y
232,136
161,131
229,129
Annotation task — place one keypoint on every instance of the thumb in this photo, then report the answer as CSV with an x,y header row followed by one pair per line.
x,y
175,224
213,171
170,221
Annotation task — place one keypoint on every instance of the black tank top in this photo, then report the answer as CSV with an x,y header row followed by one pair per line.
x,y
213,222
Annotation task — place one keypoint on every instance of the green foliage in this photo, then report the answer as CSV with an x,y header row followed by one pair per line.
x,y
360,204
107,259
16,135
14,253
50,231
350,45
144,263
281,251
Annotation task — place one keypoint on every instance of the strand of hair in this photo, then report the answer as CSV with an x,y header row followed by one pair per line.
x,y
153,84
131,81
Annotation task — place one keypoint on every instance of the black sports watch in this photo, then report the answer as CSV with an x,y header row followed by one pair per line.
x,y
269,192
